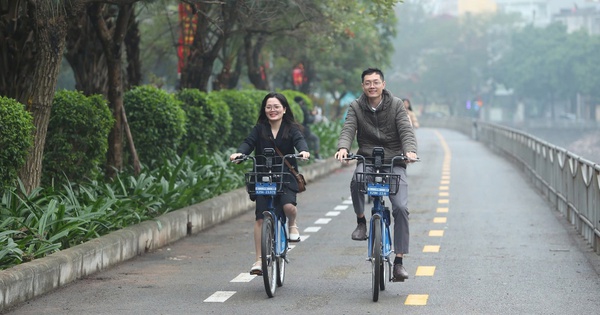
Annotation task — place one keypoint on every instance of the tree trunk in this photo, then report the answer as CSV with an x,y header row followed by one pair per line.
x,y
256,73
85,55
31,52
209,39
132,48
112,43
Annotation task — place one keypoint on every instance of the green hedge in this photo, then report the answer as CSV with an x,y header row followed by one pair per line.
x,y
16,137
244,113
208,121
156,121
77,137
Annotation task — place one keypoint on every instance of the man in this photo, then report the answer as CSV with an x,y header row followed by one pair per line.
x,y
309,118
378,119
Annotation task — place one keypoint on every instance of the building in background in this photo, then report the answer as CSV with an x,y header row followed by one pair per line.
x,y
575,14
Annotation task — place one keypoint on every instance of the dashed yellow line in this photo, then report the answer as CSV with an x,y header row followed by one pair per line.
x,y
416,299
425,271
431,249
440,220
436,233
428,271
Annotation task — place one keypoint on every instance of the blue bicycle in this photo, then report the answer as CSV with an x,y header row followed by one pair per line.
x,y
377,181
267,180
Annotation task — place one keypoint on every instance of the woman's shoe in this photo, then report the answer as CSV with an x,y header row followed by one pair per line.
x,y
256,268
294,237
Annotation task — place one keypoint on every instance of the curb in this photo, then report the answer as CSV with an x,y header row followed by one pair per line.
x,y
28,280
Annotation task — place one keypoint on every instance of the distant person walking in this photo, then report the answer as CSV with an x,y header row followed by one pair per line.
x,y
411,114
314,143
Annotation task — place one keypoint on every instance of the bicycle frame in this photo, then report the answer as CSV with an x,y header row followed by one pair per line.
x,y
270,183
378,180
268,180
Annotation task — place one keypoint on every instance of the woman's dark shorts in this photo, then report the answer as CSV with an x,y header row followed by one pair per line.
x,y
288,196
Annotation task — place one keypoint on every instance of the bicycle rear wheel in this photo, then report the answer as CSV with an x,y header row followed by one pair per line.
x,y
376,261
267,249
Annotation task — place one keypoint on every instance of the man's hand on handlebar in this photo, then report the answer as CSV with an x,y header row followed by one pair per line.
x,y
412,157
341,154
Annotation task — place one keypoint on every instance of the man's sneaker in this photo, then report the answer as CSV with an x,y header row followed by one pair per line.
x,y
360,233
400,273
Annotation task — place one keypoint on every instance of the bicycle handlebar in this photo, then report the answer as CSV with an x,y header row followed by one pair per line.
x,y
352,156
245,157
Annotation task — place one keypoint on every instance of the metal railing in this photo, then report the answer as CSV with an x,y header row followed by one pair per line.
x,y
570,183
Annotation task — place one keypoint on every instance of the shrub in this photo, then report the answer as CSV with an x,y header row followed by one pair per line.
x,y
16,137
156,121
209,122
244,113
77,137
290,95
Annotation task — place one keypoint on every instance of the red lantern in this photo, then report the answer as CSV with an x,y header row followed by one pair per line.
x,y
298,75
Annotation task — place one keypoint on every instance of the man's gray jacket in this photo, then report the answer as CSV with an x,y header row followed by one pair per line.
x,y
388,126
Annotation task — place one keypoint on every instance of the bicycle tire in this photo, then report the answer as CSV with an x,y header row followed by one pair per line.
x,y
281,259
376,261
267,246
280,271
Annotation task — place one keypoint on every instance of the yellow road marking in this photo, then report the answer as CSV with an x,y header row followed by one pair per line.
x,y
446,177
443,187
442,210
416,299
444,182
439,220
444,194
425,271
431,249
436,233
443,201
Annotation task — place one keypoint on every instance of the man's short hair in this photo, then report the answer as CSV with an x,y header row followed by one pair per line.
x,y
298,99
371,71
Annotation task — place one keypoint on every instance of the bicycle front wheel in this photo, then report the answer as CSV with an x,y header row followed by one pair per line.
x,y
280,271
376,261
267,248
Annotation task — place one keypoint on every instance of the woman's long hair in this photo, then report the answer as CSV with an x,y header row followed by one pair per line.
x,y
288,120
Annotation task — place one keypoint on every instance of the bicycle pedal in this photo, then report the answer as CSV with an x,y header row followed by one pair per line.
x,y
397,280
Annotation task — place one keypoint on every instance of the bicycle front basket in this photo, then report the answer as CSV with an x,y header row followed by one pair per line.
x,y
378,184
260,183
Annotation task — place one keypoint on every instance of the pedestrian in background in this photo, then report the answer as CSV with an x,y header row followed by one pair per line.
x,y
411,114
314,142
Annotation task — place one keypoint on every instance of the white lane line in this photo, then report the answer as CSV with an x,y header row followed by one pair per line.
x,y
323,221
332,214
220,296
312,229
341,207
347,202
243,277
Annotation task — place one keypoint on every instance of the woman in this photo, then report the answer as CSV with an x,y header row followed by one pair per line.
x,y
275,126
411,115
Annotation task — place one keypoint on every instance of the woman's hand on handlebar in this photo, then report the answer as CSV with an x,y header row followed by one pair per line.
x,y
305,155
235,156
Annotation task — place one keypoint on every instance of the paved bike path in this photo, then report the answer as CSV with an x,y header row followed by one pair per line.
x,y
483,241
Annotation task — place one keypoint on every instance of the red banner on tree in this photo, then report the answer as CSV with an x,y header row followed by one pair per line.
x,y
187,31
